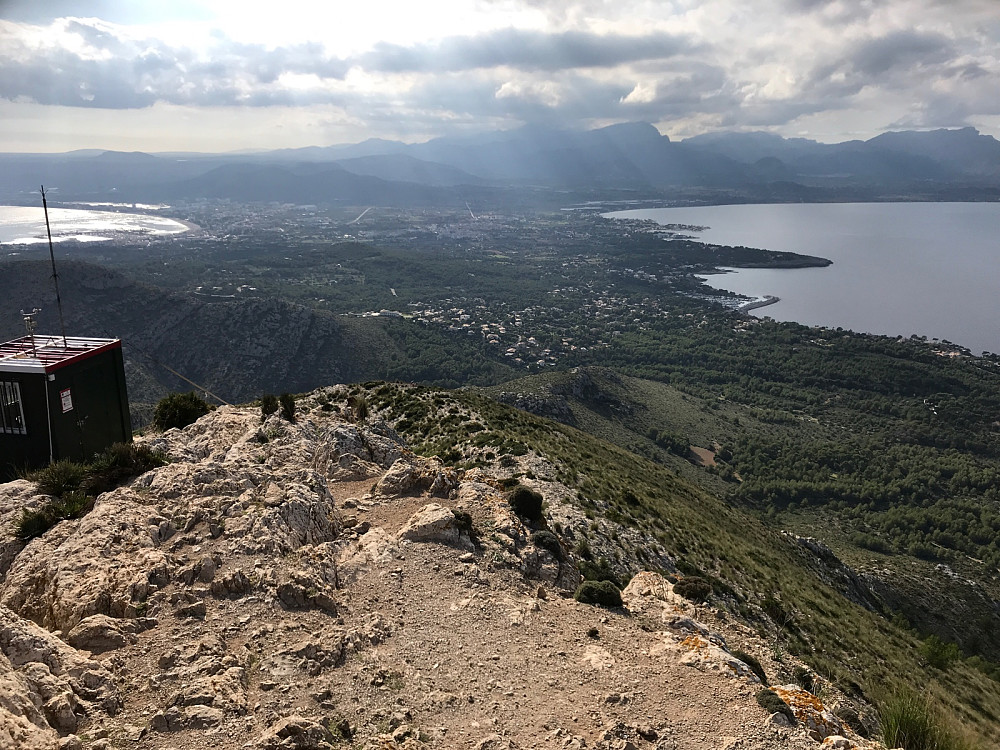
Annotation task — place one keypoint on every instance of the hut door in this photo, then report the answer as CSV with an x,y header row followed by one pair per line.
x,y
87,403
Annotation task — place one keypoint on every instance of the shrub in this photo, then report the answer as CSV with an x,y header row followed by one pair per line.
x,y
755,667
287,402
695,588
34,523
526,503
771,702
179,410
118,462
359,407
268,405
852,718
939,654
599,571
72,505
549,541
774,609
601,593
60,477
74,486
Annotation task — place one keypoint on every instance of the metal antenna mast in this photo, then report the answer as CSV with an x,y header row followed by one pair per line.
x,y
31,324
55,276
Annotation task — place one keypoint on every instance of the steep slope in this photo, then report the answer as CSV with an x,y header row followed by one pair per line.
x,y
950,595
304,585
235,348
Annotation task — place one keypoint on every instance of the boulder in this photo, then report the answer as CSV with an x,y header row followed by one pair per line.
x,y
810,712
99,633
22,723
15,498
435,523
411,476
296,733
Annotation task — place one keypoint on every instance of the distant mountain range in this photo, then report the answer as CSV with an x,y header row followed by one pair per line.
x,y
625,160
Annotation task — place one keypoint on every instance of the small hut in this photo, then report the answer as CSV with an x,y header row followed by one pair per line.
x,y
60,397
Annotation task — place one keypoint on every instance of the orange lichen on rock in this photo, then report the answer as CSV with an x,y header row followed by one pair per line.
x,y
694,643
810,712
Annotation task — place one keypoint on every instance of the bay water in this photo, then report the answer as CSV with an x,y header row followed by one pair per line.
x,y
25,225
929,269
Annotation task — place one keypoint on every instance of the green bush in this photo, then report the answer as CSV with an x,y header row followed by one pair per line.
x,y
601,593
60,477
32,523
359,407
287,402
754,664
771,702
939,654
852,718
74,486
72,505
268,405
600,570
695,588
548,541
179,410
526,503
117,463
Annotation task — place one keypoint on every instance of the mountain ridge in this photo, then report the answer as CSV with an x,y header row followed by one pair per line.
x,y
626,156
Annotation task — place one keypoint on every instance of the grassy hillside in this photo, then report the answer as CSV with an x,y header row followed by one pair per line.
x,y
886,449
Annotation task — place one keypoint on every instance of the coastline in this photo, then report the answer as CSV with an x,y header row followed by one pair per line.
x,y
757,304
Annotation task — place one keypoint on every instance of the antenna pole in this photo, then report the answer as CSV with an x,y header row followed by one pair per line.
x,y
55,276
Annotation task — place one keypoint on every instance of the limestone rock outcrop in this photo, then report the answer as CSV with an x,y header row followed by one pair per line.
x,y
302,585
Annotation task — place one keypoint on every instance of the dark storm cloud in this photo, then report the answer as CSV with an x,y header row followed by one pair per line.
x,y
573,97
525,50
900,49
900,59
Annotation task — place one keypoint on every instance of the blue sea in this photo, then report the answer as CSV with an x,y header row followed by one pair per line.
x,y
928,269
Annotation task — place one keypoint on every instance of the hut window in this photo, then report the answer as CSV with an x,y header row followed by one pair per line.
x,y
11,409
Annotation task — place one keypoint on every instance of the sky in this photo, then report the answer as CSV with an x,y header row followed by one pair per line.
x,y
229,75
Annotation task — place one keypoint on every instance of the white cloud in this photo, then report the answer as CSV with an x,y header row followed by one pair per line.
x,y
400,69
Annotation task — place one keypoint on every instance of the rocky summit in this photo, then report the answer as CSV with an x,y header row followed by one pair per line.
x,y
315,584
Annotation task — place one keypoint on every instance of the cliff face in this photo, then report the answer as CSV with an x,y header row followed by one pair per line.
x,y
315,584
